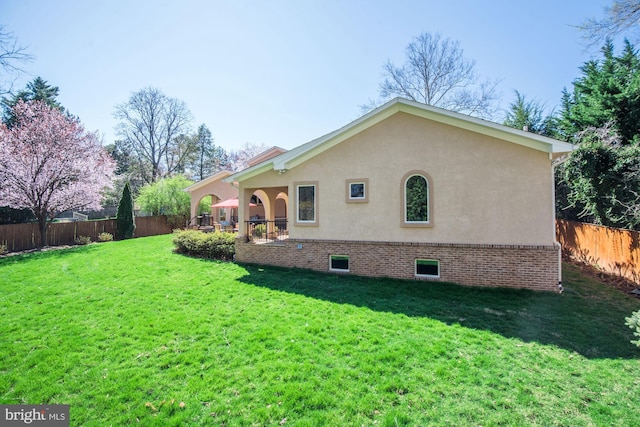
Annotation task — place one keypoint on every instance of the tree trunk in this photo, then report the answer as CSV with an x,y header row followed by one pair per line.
x,y
43,225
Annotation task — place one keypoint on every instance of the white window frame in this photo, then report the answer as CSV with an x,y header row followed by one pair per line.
x,y
365,184
298,186
426,276
429,222
340,270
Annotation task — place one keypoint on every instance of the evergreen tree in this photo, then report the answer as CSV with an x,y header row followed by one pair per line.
x,y
608,92
36,90
203,165
604,179
208,158
125,223
529,116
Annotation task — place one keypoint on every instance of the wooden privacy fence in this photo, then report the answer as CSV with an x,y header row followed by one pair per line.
x,y
611,249
20,237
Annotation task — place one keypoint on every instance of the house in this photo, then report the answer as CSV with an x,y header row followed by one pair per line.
x,y
410,191
221,191
211,186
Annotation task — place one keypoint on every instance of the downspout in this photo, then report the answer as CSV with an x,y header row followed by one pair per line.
x,y
554,163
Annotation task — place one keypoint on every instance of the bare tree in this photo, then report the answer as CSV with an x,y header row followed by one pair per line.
x,y
435,72
11,54
152,127
621,16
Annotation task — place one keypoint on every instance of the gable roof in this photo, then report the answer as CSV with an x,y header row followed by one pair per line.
x,y
304,152
265,155
208,180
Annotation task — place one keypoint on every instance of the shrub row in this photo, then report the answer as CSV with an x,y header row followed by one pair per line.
x,y
216,245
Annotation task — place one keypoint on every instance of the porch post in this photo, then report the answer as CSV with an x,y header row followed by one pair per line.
x,y
244,198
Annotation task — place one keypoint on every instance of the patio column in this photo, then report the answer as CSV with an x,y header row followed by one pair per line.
x,y
244,213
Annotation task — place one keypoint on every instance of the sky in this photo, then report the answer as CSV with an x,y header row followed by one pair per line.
x,y
283,72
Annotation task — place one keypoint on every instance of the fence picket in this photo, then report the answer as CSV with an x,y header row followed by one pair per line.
x,y
612,250
21,237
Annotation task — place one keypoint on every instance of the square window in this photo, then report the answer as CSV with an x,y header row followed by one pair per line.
x,y
357,191
339,263
427,268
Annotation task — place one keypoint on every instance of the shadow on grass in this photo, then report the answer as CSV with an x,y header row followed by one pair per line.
x,y
585,322
49,252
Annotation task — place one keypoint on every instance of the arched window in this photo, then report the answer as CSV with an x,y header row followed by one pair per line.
x,y
416,199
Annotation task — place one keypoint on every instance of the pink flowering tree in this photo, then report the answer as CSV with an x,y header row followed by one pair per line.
x,y
50,164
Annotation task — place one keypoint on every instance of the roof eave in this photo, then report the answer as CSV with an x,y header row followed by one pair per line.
x,y
324,143
250,172
216,176
311,149
485,127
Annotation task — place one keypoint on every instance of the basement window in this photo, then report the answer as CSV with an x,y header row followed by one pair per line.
x,y
429,268
339,263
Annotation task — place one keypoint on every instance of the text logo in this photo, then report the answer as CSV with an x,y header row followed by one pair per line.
x,y
34,415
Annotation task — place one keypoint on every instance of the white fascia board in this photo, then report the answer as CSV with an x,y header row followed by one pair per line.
x,y
216,176
250,172
317,146
485,127
311,149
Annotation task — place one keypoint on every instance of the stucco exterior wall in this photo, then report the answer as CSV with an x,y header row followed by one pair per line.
x,y
218,189
484,191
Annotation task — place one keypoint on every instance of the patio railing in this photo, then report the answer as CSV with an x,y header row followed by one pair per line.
x,y
262,231
206,222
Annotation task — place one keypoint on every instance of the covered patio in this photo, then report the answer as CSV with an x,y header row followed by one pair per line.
x,y
270,225
219,191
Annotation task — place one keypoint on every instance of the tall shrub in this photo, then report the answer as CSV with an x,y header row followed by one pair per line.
x,y
125,223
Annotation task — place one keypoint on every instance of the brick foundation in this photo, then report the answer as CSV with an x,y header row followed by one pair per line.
x,y
531,267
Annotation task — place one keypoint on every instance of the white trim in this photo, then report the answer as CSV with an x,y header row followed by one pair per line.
x,y
364,190
315,204
304,152
222,175
404,219
340,270
425,276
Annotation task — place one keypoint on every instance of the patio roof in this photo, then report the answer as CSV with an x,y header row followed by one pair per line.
x,y
215,177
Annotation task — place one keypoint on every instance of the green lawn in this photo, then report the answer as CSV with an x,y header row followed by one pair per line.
x,y
129,333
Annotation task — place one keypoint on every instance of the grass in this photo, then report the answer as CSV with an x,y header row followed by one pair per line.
x,y
129,333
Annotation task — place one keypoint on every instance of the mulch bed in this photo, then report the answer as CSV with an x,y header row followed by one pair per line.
x,y
620,283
